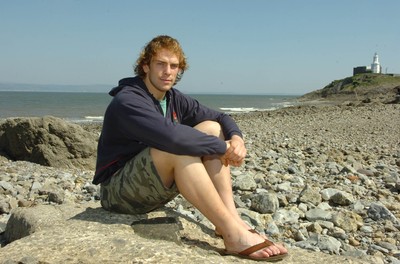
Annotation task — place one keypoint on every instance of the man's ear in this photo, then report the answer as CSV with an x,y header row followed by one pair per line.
x,y
146,68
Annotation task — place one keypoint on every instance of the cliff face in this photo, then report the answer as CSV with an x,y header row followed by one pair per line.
x,y
362,87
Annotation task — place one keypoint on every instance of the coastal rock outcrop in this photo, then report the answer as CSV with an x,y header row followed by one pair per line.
x,y
48,141
88,234
365,88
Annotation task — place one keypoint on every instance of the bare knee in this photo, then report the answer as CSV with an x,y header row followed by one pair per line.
x,y
210,128
166,164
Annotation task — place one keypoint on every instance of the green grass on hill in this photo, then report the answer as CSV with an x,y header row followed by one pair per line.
x,y
367,80
382,86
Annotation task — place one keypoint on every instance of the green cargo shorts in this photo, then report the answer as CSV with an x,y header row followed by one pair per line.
x,y
136,188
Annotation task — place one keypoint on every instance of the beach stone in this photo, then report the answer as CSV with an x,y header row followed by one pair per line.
x,y
378,211
391,178
379,248
366,172
318,214
303,207
253,218
265,203
276,167
347,220
24,222
283,216
36,186
238,201
321,242
325,224
333,168
308,245
300,235
315,228
327,243
356,253
56,196
6,187
387,245
244,182
327,193
297,182
295,209
5,207
13,202
284,187
338,232
397,186
348,169
48,141
358,207
342,198
272,229
394,260
354,242
324,206
367,229
310,195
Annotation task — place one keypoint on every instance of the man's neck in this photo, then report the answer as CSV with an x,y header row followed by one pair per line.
x,y
158,95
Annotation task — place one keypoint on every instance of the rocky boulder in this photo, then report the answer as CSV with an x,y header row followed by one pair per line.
x,y
86,233
48,141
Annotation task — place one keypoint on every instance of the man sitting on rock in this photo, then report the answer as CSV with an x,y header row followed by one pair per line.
x,y
157,142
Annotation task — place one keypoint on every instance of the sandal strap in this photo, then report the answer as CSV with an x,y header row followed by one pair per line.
x,y
257,247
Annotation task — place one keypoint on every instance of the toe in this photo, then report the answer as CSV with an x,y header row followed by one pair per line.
x,y
281,248
261,254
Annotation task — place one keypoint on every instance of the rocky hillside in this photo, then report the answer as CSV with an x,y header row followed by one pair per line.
x,y
362,87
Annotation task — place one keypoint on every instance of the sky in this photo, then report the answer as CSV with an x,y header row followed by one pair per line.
x,y
287,47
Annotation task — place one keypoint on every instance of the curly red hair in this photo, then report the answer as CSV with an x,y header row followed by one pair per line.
x,y
151,49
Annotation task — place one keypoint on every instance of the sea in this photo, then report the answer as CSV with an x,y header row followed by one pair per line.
x,y
90,106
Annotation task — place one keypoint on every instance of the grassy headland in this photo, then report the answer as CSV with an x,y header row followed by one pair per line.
x,y
361,87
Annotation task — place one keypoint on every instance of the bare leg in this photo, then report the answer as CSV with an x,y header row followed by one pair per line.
x,y
207,185
219,174
221,177
195,185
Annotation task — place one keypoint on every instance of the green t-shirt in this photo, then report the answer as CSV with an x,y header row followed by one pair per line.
x,y
163,104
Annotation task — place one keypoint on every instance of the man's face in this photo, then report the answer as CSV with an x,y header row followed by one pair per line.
x,y
161,73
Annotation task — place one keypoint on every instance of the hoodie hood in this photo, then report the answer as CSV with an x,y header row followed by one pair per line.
x,y
131,81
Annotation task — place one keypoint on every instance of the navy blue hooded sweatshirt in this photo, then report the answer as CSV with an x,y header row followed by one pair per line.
x,y
134,120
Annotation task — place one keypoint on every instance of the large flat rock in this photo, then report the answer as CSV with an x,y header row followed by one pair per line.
x,y
88,234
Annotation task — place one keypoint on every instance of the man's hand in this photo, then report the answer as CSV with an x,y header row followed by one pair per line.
x,y
235,152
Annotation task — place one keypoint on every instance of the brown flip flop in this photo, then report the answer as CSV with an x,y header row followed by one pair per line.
x,y
245,253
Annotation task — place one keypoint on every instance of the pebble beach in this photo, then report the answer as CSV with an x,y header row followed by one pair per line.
x,y
319,177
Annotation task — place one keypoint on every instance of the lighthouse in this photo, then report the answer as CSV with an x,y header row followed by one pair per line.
x,y
375,66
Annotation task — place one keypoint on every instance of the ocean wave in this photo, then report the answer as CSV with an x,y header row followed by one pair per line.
x,y
94,118
85,119
285,104
244,109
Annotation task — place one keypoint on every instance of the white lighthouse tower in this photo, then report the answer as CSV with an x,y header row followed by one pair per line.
x,y
375,66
